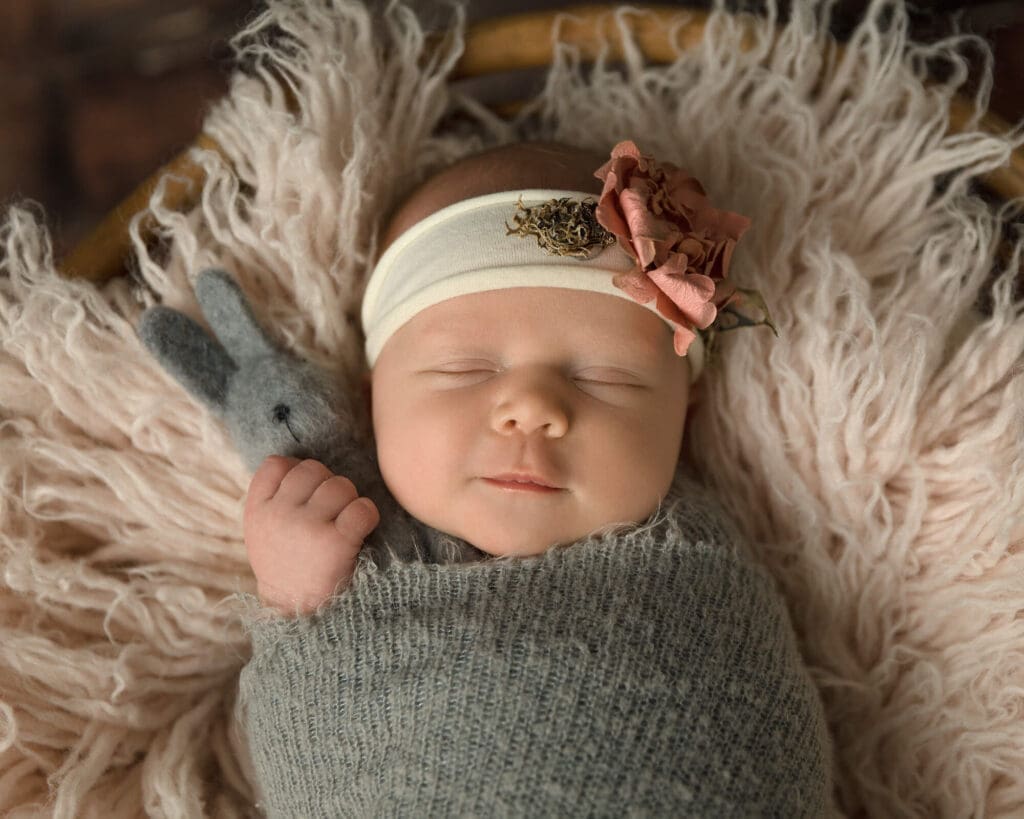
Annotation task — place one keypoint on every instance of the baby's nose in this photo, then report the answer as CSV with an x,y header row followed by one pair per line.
x,y
529,408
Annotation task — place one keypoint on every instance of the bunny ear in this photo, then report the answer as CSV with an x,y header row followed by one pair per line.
x,y
231,317
185,350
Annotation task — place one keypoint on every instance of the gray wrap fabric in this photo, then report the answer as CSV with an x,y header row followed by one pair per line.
x,y
648,670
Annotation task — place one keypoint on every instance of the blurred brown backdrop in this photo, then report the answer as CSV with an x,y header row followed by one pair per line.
x,y
96,94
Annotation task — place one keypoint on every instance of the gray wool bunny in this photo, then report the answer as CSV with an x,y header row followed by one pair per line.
x,y
275,403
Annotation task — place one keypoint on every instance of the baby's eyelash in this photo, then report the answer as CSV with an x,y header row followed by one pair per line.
x,y
596,381
616,377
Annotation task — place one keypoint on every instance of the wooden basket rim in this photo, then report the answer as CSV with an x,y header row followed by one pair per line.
x,y
499,44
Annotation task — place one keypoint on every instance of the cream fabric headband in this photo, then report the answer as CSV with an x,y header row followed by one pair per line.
x,y
464,248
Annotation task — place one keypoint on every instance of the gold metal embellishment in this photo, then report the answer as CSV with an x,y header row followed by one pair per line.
x,y
563,227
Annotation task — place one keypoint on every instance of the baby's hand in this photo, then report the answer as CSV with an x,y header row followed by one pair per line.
x,y
304,528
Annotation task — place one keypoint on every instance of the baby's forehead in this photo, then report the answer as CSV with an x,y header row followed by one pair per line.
x,y
570,320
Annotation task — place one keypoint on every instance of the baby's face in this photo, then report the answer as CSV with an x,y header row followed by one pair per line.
x,y
581,389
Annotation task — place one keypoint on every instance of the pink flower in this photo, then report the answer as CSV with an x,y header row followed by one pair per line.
x,y
682,245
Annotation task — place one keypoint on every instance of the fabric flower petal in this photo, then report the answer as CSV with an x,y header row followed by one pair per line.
x,y
691,293
682,339
646,232
626,148
610,216
637,286
722,223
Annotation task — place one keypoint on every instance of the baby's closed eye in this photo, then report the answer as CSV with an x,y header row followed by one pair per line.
x,y
611,377
601,377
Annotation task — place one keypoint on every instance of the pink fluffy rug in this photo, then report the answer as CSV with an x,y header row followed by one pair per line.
x,y
874,453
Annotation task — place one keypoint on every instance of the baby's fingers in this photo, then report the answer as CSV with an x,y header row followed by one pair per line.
x,y
359,518
302,482
332,496
267,479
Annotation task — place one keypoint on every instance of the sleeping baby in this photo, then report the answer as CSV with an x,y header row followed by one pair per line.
x,y
513,602
520,400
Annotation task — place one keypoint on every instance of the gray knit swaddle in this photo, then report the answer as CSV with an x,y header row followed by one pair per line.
x,y
648,671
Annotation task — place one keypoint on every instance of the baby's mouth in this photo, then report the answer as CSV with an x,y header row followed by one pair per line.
x,y
523,483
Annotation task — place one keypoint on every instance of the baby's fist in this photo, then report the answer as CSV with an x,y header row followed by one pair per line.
x,y
304,528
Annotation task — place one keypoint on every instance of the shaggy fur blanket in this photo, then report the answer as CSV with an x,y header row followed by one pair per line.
x,y
874,453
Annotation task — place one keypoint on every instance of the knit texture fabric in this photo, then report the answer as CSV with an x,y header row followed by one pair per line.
x,y
651,670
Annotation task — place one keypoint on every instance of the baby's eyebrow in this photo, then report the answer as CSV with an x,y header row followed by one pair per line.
x,y
450,343
454,330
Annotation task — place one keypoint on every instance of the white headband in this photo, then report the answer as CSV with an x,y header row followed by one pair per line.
x,y
464,249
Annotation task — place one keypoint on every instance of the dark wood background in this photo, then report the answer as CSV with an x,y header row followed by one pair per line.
x,y
96,94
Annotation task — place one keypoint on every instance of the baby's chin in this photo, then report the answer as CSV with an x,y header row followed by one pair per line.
x,y
516,539
505,548
522,539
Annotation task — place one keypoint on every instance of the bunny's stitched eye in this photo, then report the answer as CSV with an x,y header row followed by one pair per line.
x,y
281,414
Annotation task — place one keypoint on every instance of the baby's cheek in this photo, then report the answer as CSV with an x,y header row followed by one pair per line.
x,y
410,451
390,438
647,458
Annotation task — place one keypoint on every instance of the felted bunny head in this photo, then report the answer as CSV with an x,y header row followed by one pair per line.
x,y
272,402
